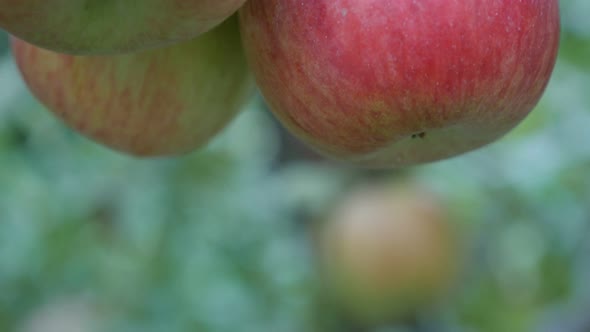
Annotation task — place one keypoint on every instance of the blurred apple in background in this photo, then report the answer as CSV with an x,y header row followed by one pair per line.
x,y
101,26
68,314
387,83
159,102
387,251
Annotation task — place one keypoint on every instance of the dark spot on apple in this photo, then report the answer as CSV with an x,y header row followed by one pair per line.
x,y
419,135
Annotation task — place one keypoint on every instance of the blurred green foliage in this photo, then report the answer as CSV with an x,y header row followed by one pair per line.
x,y
219,240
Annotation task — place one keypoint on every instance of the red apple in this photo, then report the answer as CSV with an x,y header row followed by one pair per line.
x,y
385,252
107,26
160,102
387,83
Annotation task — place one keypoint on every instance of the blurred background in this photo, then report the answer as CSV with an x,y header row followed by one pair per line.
x,y
239,236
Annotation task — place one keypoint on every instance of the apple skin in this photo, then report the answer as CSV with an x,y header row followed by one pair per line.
x,y
165,101
111,26
385,252
381,83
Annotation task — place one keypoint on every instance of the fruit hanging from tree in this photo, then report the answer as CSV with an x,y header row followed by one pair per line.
x,y
384,83
111,26
165,101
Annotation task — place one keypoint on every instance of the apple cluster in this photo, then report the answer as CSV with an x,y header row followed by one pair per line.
x,y
375,83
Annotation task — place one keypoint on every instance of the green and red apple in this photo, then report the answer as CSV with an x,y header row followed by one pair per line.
x,y
165,101
111,26
386,252
384,83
